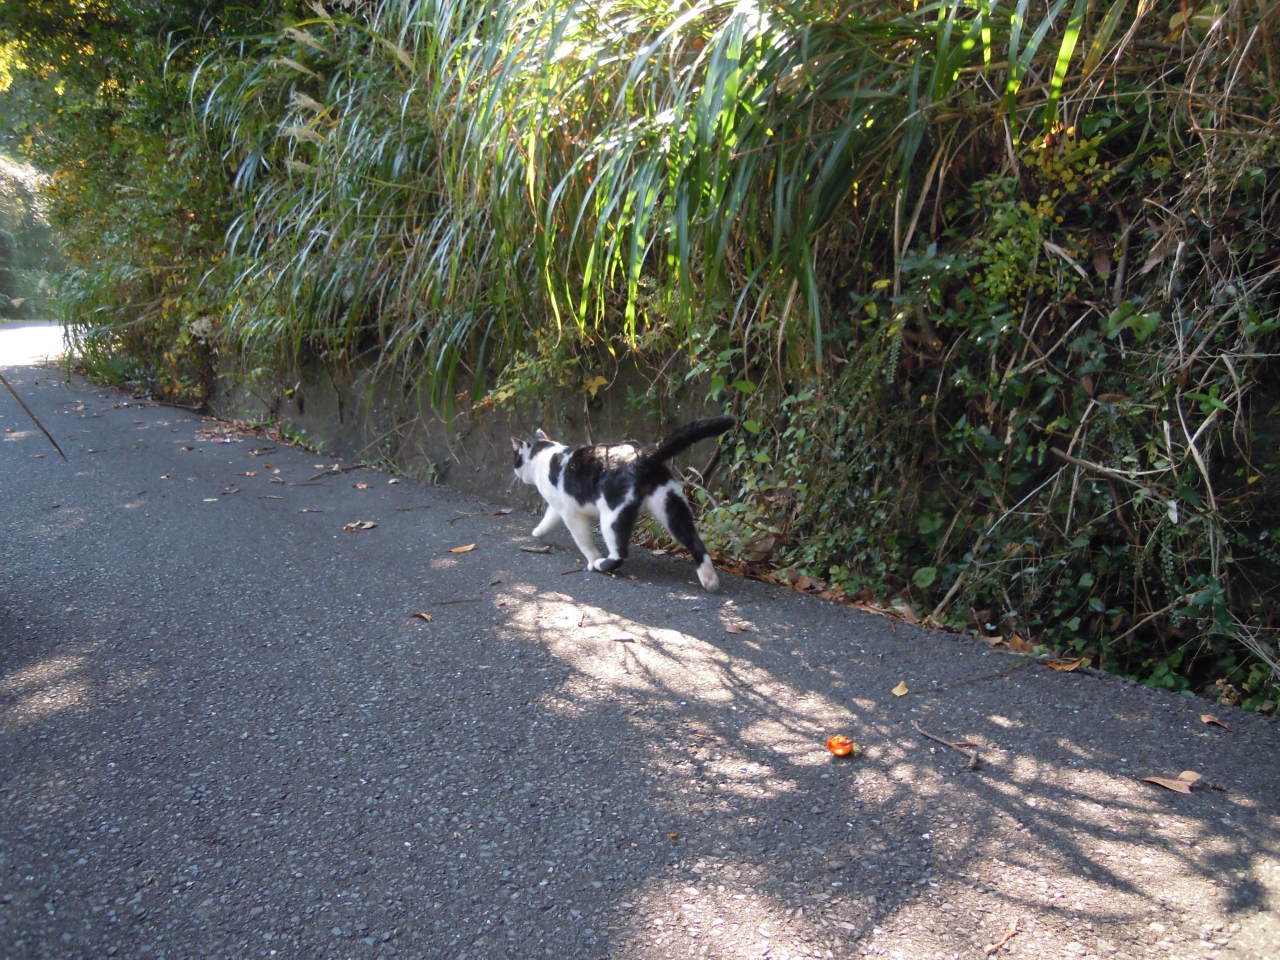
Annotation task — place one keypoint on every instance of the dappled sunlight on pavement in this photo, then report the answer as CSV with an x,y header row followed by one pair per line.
x,y
223,731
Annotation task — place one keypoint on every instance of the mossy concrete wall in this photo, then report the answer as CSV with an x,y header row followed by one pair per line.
x,y
358,415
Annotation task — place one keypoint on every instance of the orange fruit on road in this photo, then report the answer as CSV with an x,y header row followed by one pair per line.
x,y
842,746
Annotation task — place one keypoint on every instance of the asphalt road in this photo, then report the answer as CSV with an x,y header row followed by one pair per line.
x,y
222,734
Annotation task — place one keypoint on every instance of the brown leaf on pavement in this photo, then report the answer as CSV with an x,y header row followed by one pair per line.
x,y
359,525
1017,643
900,690
463,549
1213,721
362,486
1068,667
1184,783
735,628
422,616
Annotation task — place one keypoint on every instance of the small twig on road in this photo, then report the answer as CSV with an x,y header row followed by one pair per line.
x,y
956,746
440,603
565,573
421,506
546,549
1013,932
34,418
335,471
501,512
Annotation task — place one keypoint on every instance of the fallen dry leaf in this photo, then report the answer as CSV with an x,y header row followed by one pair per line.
x,y
394,480
1183,784
186,449
251,473
464,549
900,690
1212,720
359,525
1180,786
422,616
8,429
230,490
842,746
362,486
1017,643
735,628
673,836
624,639
1068,667
317,466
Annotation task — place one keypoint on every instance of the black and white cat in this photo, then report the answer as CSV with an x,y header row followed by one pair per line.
x,y
614,482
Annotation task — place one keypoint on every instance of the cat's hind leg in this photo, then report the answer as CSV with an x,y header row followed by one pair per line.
x,y
550,520
668,506
615,527
579,525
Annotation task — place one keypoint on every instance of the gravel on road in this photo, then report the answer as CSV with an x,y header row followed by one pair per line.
x,y
223,733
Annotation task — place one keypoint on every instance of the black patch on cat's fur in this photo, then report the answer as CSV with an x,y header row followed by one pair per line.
x,y
553,469
538,447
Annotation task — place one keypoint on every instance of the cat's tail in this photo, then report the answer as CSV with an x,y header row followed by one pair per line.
x,y
684,437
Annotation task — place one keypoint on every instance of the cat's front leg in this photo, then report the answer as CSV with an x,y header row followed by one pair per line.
x,y
550,520
579,525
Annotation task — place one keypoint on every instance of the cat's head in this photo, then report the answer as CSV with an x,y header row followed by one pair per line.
x,y
524,454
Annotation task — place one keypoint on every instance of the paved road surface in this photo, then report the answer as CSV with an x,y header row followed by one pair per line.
x,y
223,735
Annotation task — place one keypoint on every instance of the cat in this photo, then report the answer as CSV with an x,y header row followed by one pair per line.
x,y
613,482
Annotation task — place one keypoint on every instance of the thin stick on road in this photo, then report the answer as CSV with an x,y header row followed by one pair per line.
x,y
34,418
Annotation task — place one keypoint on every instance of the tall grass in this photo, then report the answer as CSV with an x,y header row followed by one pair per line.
x,y
438,179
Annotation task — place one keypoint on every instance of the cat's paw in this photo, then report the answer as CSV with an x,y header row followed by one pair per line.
x,y
540,531
606,564
707,575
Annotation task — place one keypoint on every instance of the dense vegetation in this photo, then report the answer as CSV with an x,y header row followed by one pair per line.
x,y
994,287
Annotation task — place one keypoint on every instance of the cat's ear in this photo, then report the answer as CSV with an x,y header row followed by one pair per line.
x,y
540,435
516,444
